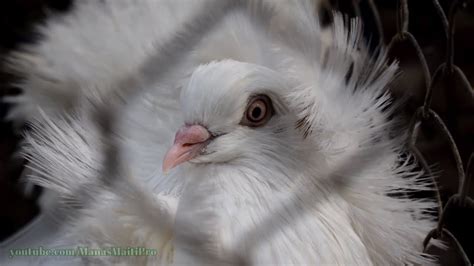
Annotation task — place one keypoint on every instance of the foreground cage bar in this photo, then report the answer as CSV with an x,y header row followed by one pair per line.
x,y
446,71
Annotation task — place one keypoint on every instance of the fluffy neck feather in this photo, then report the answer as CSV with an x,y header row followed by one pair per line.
x,y
235,214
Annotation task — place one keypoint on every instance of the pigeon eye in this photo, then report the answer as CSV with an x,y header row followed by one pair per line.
x,y
258,112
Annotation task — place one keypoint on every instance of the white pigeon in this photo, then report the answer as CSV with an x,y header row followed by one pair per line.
x,y
243,132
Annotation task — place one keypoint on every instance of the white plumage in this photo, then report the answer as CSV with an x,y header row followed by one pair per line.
x,y
311,185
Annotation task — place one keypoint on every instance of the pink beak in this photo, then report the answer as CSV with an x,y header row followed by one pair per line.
x,y
188,143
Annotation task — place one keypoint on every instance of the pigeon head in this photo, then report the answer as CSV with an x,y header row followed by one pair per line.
x,y
234,111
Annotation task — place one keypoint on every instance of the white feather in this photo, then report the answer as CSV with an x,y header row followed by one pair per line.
x,y
311,187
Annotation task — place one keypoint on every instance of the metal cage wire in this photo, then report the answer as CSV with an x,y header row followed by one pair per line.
x,y
446,72
424,113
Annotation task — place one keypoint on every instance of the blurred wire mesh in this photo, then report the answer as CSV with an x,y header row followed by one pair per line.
x,y
433,43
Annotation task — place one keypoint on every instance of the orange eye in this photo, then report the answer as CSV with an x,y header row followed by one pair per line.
x,y
259,111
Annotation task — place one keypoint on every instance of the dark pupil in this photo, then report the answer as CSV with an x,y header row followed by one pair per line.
x,y
256,112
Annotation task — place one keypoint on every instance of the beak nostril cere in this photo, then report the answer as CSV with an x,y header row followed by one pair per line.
x,y
188,143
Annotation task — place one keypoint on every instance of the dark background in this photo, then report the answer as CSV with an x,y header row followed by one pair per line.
x,y
452,103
